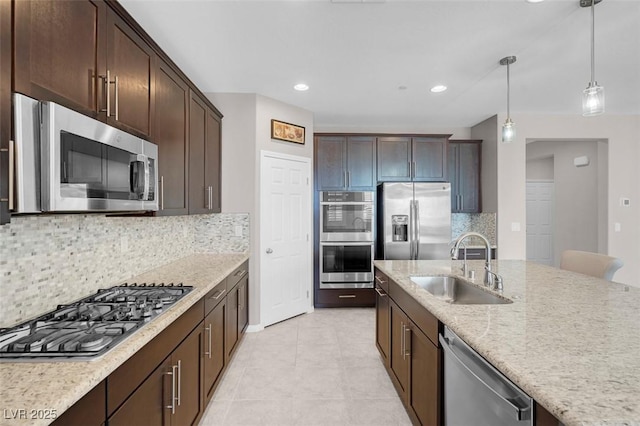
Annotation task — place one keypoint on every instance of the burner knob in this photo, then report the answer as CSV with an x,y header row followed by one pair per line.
x,y
146,313
158,306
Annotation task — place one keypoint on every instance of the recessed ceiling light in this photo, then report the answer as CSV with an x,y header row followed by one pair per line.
x,y
301,87
439,88
534,1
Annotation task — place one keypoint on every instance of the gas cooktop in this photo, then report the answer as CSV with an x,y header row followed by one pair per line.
x,y
87,329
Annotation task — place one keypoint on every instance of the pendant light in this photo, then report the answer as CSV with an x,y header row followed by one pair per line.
x,y
593,95
509,127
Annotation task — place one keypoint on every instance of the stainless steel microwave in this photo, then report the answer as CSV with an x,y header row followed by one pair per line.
x,y
67,162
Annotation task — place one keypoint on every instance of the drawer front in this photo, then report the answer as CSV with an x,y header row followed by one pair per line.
x,y
418,313
335,298
124,380
382,280
215,296
235,277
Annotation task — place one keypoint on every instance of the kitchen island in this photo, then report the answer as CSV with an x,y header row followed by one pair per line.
x,y
35,393
570,341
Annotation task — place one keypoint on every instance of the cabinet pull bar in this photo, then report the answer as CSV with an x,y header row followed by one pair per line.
x,y
179,380
240,273
161,192
171,373
407,348
402,340
12,172
107,81
208,330
115,82
218,294
380,292
381,281
347,296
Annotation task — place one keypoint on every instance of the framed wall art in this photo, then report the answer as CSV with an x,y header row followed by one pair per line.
x,y
287,132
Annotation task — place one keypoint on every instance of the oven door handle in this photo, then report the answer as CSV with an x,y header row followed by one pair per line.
x,y
353,243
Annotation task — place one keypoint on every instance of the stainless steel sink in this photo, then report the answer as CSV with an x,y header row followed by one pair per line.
x,y
457,291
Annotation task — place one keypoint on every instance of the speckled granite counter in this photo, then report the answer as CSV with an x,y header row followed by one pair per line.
x,y
58,385
570,341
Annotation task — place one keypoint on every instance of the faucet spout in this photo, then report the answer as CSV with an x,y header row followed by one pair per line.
x,y
488,277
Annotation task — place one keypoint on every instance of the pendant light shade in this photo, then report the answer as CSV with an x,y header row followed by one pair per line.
x,y
593,95
509,127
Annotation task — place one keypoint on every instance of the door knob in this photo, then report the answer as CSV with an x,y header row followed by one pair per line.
x,y
269,251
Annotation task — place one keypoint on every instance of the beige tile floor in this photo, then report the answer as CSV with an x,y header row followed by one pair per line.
x,y
321,368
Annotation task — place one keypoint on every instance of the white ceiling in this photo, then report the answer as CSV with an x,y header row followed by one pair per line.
x,y
355,56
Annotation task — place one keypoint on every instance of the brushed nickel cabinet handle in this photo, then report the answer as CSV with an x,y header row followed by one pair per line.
x,y
218,294
179,381
107,82
161,192
381,281
402,340
171,373
347,296
380,292
208,330
115,82
407,347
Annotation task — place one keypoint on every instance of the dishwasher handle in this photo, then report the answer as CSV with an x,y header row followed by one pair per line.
x,y
520,413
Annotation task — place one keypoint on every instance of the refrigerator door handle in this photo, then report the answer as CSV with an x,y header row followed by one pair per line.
x,y
416,211
411,231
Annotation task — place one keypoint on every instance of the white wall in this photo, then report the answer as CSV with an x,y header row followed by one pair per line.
x,y
540,168
623,136
246,130
576,219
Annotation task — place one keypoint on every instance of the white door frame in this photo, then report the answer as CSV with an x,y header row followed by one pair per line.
x,y
262,244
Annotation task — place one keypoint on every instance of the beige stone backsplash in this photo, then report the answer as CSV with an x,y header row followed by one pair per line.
x,y
483,223
47,260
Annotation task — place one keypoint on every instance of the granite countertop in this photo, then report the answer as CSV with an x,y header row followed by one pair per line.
x,y
570,341
58,385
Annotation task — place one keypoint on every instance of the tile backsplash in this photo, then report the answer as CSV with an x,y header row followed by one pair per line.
x,y
51,260
483,223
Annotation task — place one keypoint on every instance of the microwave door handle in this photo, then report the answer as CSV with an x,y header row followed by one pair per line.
x,y
147,177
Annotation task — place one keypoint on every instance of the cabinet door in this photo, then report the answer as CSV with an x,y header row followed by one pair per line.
x,y
213,348
212,150
5,107
331,162
452,172
148,404
170,134
231,325
88,411
361,163
469,177
60,51
399,361
187,358
429,159
243,305
382,324
198,191
131,60
394,159
424,392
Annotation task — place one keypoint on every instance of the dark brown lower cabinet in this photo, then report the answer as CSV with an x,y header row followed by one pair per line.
x,y
231,323
415,361
345,298
243,304
89,411
148,404
171,394
214,353
382,324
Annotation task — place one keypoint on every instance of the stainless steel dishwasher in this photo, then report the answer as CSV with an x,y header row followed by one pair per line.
x,y
475,393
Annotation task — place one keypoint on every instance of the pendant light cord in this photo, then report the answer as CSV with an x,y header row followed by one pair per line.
x,y
593,42
508,91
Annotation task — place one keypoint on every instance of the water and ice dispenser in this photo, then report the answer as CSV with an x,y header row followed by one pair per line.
x,y
400,225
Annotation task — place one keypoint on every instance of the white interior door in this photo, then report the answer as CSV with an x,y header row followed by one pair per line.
x,y
285,237
540,212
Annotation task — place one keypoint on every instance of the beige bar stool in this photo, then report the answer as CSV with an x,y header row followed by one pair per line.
x,y
594,264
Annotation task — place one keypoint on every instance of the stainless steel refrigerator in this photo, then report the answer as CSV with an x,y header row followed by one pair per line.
x,y
414,220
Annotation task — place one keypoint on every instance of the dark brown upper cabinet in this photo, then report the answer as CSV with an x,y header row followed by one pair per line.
x,y
345,162
418,159
83,55
170,133
464,174
204,157
5,107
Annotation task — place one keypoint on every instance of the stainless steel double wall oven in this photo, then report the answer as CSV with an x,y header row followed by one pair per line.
x,y
346,239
